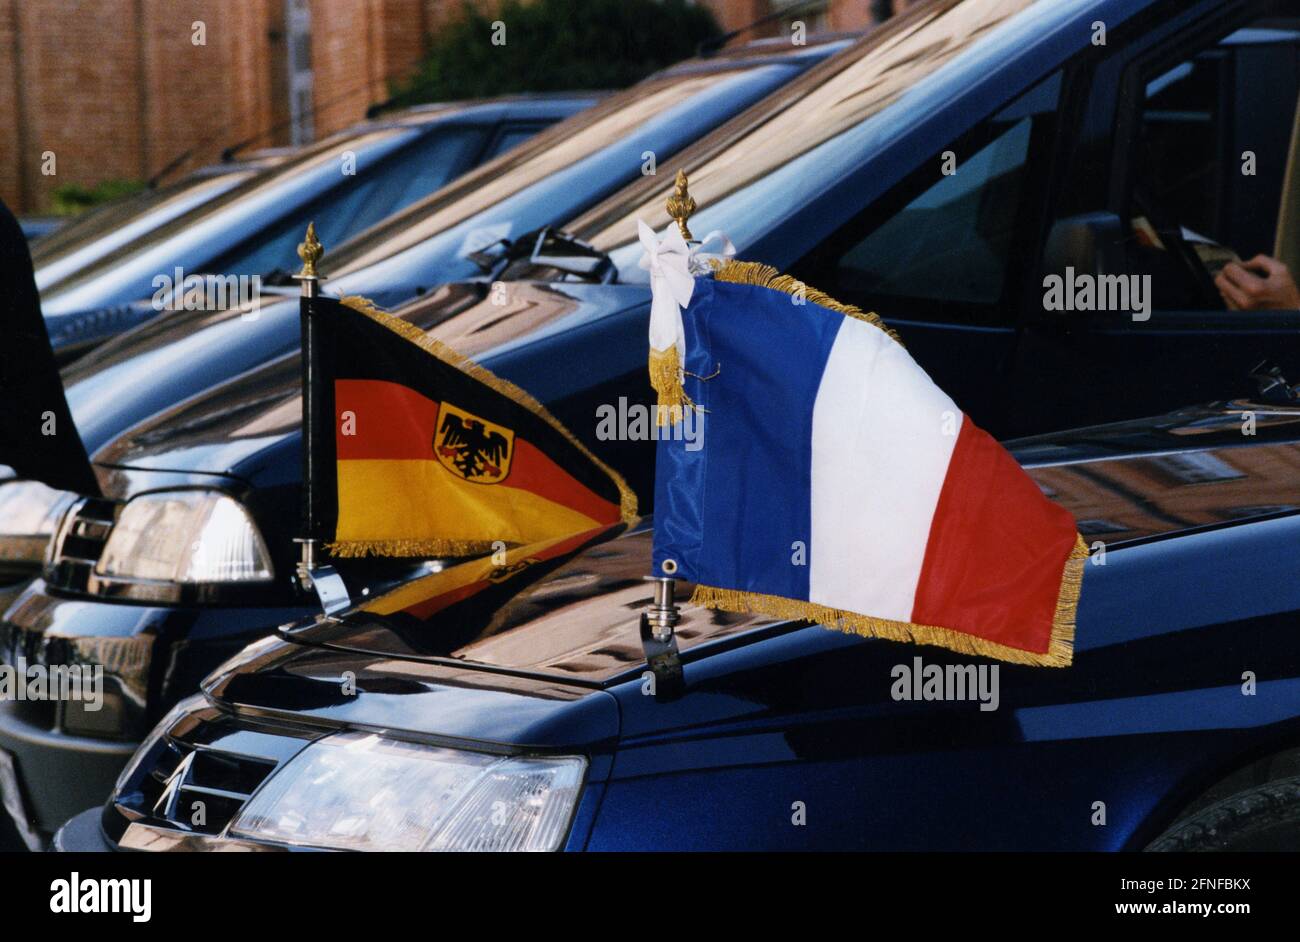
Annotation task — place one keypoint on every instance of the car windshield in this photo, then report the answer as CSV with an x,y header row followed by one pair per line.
x,y
798,139
575,163
113,225
224,222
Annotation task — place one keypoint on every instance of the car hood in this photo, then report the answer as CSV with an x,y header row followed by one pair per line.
x,y
1195,468
531,654
519,654
455,705
568,613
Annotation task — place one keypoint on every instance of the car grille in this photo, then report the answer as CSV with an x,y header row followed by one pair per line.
x,y
204,770
121,665
79,543
20,648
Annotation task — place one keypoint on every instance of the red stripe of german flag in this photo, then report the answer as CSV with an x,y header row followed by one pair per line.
x,y
393,489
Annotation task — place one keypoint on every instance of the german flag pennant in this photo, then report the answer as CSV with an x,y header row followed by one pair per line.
x,y
478,589
432,454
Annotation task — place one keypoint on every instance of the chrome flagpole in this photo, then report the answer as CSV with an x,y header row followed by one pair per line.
x,y
310,251
317,425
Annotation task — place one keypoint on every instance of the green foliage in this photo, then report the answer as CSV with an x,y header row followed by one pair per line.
x,y
72,198
556,45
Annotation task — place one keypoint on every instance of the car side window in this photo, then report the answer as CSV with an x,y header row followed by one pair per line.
x,y
949,250
509,137
1210,150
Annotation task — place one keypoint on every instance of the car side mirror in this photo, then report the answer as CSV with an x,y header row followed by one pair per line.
x,y
1090,243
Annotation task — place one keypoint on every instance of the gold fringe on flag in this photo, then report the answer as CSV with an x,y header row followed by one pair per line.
x,y
765,276
1060,650
666,378
428,549
627,503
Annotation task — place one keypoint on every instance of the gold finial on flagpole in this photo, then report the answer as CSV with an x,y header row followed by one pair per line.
x,y
311,252
680,205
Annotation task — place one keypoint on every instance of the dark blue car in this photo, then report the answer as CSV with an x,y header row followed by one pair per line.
x,y
119,267
842,179
528,722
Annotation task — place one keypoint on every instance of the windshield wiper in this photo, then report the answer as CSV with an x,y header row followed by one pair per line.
x,y
278,278
548,247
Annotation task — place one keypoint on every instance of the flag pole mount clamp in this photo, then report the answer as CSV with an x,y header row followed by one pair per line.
x,y
658,640
664,614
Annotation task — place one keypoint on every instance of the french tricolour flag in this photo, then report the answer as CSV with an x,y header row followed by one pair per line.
x,y
835,482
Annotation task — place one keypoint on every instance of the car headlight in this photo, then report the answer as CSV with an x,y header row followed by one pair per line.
x,y
362,791
29,514
187,537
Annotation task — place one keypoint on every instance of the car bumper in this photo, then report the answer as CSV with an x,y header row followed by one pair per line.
x,y
60,773
57,774
82,835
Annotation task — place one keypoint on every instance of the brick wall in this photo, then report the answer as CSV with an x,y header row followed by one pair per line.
x,y
75,65
12,147
117,89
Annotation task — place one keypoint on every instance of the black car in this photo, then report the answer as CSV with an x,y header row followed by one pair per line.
x,y
411,723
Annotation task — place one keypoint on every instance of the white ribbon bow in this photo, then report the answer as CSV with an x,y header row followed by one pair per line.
x,y
673,266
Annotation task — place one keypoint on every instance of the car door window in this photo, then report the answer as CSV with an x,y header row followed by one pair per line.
x,y
1209,151
949,250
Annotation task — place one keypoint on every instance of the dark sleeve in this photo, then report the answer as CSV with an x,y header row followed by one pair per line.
x,y
31,393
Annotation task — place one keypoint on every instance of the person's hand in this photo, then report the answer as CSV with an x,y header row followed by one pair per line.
x,y
1261,284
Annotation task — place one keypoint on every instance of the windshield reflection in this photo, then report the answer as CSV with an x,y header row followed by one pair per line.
x,y
826,103
123,221
494,182
254,195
